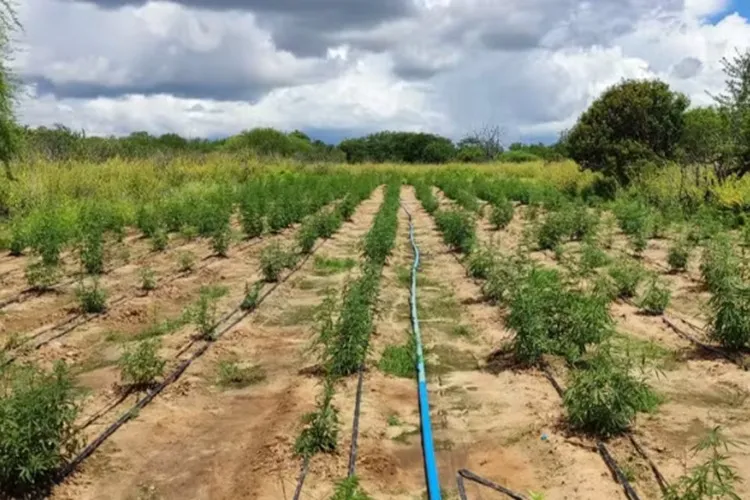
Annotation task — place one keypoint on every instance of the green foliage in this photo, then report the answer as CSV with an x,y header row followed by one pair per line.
x,y
480,262
719,263
42,277
349,489
730,315
92,298
204,312
632,122
713,478
399,360
426,197
91,252
321,431
148,278
379,240
220,241
502,214
605,398
38,410
159,240
235,375
141,365
274,259
398,147
678,256
626,275
458,228
705,136
549,317
655,299
592,257
252,295
185,261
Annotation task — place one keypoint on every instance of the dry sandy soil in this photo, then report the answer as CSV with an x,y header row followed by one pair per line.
x,y
200,440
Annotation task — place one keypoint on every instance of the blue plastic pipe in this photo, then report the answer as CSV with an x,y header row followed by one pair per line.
x,y
428,447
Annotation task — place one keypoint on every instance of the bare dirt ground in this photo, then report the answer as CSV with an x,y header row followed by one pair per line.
x,y
700,390
199,441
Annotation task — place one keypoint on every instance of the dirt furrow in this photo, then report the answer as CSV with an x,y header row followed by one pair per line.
x,y
199,440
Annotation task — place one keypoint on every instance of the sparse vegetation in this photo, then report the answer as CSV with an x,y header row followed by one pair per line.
x,y
141,365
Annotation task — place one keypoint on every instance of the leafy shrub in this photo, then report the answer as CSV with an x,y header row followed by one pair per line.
x,y
592,257
321,431
347,206
349,489
719,264
38,410
220,241
141,365
185,261
679,254
41,276
713,478
626,275
91,252
502,214
252,295
656,298
327,223
458,228
502,279
480,263
307,236
730,315
273,260
93,299
204,312
252,221
148,278
549,318
605,398
159,240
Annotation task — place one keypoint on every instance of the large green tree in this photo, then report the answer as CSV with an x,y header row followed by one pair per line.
x,y
632,122
734,104
9,132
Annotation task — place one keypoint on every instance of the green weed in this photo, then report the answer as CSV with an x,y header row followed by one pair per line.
x,y
141,366
235,375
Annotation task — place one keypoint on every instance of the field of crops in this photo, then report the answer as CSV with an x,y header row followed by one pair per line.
x,y
245,332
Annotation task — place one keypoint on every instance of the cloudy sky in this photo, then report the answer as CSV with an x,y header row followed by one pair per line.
x,y
337,68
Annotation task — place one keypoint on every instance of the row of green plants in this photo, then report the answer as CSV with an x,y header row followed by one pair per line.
x,y
554,313
566,313
41,408
345,323
267,203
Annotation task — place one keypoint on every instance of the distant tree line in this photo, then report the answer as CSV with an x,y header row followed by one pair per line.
x,y
60,143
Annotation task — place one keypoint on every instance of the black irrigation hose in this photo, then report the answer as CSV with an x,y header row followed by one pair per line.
x,y
355,424
71,466
603,451
706,347
615,469
467,474
663,483
301,478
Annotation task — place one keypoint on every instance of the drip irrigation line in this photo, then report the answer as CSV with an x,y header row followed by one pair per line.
x,y
663,483
71,466
603,451
615,469
355,425
706,347
467,474
428,446
301,478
